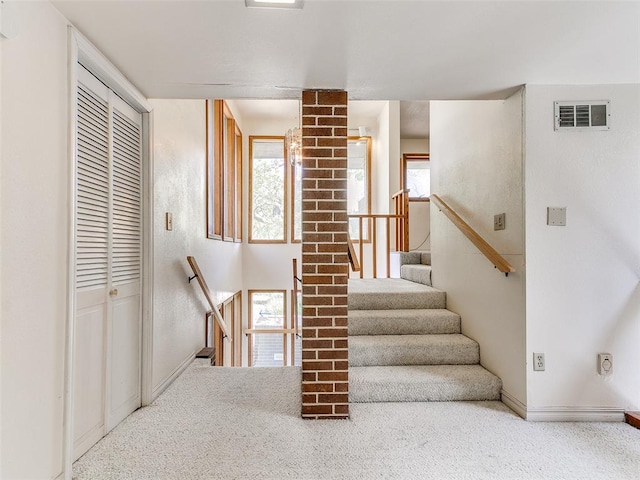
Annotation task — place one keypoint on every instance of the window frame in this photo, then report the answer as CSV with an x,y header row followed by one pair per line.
x,y
239,190
285,182
368,222
368,176
228,161
250,326
292,201
223,173
412,157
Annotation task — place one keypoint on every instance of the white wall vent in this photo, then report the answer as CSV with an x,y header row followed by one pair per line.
x,y
590,115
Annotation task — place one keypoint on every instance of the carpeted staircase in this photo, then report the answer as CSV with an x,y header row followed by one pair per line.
x,y
416,267
404,346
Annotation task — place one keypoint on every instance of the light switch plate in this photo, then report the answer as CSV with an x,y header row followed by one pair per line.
x,y
168,221
557,216
499,221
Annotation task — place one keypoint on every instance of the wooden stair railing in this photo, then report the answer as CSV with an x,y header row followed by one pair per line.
x,y
357,260
401,205
480,243
207,293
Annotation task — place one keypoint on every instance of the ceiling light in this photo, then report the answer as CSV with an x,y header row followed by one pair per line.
x,y
274,3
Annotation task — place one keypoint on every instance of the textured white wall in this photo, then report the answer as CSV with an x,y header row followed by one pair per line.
x,y
179,173
35,220
476,167
583,295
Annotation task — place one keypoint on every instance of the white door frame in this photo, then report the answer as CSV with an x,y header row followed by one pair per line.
x,y
81,50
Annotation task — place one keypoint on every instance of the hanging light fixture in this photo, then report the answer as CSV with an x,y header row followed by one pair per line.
x,y
293,141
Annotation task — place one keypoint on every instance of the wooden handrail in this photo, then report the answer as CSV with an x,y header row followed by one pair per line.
x,y
207,293
481,244
351,252
399,193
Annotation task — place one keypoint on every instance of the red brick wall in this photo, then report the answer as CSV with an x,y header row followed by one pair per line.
x,y
325,267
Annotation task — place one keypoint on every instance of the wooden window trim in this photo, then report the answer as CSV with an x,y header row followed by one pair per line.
x,y
214,172
239,189
224,173
237,332
228,151
250,324
406,158
284,186
228,308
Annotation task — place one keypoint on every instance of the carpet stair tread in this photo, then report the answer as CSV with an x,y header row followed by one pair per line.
x,y
403,322
440,349
422,383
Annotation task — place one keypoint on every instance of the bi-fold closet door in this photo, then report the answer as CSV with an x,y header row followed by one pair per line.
x,y
108,257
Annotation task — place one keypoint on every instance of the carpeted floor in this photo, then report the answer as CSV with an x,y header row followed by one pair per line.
x,y
243,423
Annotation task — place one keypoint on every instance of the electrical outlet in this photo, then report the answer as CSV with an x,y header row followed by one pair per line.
x,y
605,363
538,362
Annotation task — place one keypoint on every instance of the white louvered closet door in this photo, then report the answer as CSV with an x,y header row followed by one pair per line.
x,y
108,262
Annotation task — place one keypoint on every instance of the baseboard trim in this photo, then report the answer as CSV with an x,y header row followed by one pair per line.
x,y
157,390
514,404
575,414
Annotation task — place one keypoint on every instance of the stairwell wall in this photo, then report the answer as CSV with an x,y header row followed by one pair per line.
x,y
179,175
583,290
476,167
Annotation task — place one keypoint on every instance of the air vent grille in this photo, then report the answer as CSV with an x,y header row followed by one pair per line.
x,y
591,115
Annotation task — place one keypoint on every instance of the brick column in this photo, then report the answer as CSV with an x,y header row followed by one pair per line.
x,y
325,265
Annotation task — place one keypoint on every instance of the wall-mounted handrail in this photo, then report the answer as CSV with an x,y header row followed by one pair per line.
x,y
481,244
207,293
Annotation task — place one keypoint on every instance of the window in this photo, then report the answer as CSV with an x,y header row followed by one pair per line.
x,y
296,203
296,341
358,188
416,176
267,200
358,184
224,173
267,312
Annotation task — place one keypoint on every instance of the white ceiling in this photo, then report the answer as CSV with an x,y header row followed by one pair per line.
x,y
376,50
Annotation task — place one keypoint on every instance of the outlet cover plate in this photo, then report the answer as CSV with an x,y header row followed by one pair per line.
x,y
557,216
605,363
538,362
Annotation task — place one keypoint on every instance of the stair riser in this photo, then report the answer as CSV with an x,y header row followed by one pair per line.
x,y
426,383
416,273
368,301
425,393
403,326
414,355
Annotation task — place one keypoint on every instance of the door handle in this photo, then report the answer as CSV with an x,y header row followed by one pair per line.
x,y
113,292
